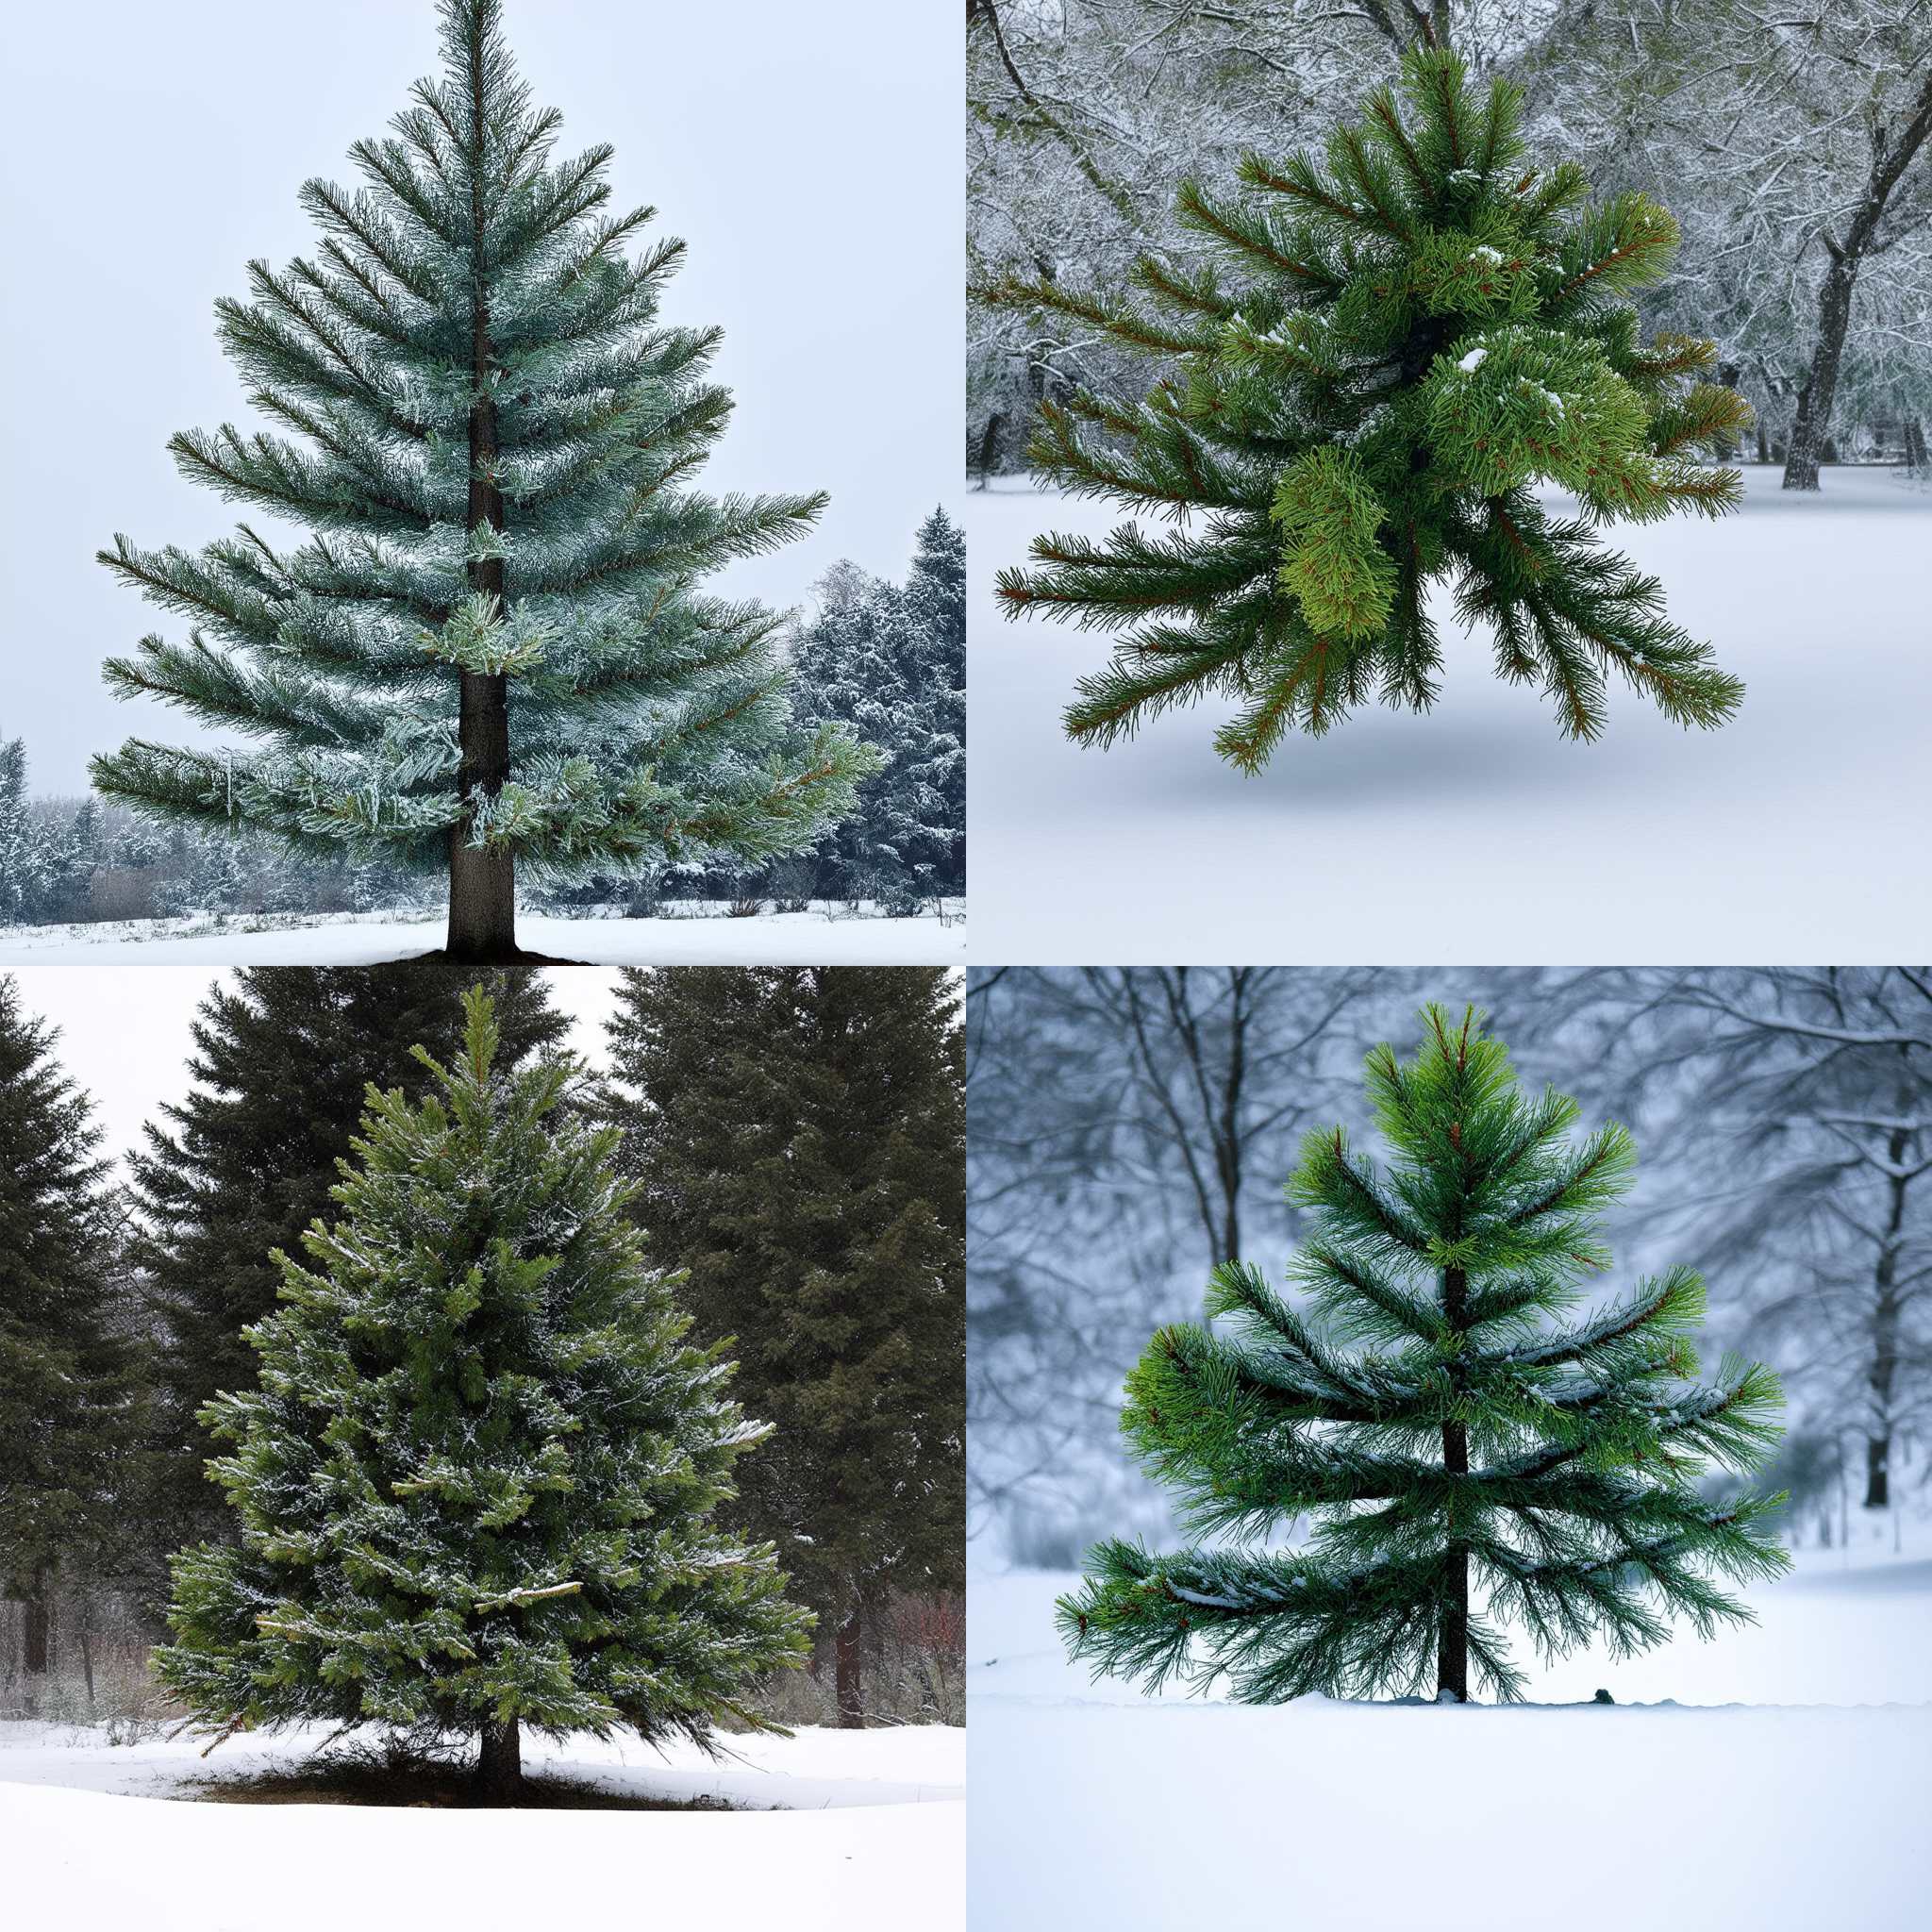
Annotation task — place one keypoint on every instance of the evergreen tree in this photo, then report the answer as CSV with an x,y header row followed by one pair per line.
x,y
1396,348
283,1056
16,834
1452,1426
936,604
491,648
66,1380
475,1482
797,1135
891,663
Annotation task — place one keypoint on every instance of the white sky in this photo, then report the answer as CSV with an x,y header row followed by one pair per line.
x,y
125,1030
807,153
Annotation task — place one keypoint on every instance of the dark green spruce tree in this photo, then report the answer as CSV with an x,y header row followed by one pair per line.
x,y
1384,354
490,649
68,1389
1475,1453
240,1166
797,1136
477,1477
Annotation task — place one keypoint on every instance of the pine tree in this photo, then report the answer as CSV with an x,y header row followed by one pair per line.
x,y
246,1160
490,650
936,604
1437,1409
477,1479
889,662
1386,355
67,1386
16,834
797,1135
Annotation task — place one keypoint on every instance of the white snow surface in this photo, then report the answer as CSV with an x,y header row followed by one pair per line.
x,y
849,1829
1476,832
1771,1778
771,938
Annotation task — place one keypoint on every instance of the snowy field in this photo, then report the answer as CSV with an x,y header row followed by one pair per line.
x,y
1774,1778
847,1829
1476,832
825,937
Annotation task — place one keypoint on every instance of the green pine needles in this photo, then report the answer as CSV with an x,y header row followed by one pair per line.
x,y
1476,1454
490,649
1402,344
477,1478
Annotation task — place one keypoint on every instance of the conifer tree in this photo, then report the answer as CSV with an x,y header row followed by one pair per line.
x,y
67,1383
490,649
1389,349
477,1477
798,1138
889,661
1472,1452
248,1159
17,894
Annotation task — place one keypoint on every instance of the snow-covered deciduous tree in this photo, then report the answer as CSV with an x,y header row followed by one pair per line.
x,y
1808,1131
477,1477
1474,1449
490,648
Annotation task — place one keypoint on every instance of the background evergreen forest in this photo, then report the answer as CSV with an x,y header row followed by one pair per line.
x,y
1133,1128
1793,145
888,658
124,1285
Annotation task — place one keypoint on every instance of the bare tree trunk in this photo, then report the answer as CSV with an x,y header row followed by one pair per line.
x,y
500,1764
36,1630
482,883
1890,159
86,1660
1884,1332
1813,417
847,1677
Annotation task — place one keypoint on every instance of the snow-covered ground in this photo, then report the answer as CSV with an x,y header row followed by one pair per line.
x,y
828,936
849,1829
1773,1778
1474,832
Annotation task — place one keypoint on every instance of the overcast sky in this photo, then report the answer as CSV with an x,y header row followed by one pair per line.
x,y
125,1030
807,153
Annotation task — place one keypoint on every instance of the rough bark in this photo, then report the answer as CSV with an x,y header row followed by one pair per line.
x,y
1885,1312
482,884
848,1674
500,1764
1890,159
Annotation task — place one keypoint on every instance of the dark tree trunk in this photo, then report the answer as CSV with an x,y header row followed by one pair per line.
x,y
1452,1635
1890,159
848,1673
1812,422
482,884
988,445
1452,1631
1885,1312
500,1765
37,1625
